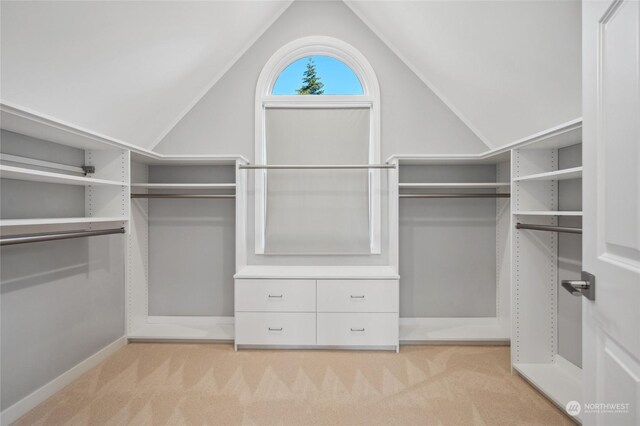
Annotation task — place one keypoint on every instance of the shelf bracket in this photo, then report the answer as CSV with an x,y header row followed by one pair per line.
x,y
88,169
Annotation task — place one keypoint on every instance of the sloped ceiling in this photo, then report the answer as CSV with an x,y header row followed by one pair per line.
x,y
132,70
128,70
509,69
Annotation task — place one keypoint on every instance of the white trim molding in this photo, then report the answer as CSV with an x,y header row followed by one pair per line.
x,y
350,56
564,134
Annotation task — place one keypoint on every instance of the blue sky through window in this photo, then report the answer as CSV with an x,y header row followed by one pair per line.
x,y
337,77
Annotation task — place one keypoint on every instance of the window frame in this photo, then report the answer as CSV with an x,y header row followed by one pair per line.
x,y
264,99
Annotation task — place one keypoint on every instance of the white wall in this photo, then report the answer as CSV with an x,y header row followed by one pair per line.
x,y
191,245
414,119
446,244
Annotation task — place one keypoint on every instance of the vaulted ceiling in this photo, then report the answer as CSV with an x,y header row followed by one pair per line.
x,y
509,69
131,70
126,69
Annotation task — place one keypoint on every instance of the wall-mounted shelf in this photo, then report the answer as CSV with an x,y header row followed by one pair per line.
x,y
59,221
547,213
547,328
184,185
19,173
453,185
572,173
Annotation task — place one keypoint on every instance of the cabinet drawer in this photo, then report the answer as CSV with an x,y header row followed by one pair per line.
x,y
254,328
341,329
275,295
357,296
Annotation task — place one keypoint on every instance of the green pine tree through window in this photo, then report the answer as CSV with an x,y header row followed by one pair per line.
x,y
311,84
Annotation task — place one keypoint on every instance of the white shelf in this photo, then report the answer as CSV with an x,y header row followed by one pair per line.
x,y
573,173
184,185
456,185
547,213
561,382
491,329
318,272
562,136
19,173
59,221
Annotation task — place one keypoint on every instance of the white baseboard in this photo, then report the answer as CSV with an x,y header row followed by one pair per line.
x,y
455,330
20,408
182,328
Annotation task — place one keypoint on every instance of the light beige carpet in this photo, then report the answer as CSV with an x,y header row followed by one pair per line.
x,y
210,384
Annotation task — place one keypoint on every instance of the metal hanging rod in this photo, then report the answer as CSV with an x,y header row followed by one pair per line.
x,y
457,195
36,238
183,196
316,166
551,228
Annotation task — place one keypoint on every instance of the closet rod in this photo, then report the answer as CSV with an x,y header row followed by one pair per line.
x,y
457,195
36,238
316,166
549,228
183,196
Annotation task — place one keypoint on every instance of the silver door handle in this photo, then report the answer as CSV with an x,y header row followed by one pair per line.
x,y
275,296
574,287
357,329
585,287
275,329
357,297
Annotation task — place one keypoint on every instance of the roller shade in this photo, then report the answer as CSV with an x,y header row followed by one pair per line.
x,y
317,211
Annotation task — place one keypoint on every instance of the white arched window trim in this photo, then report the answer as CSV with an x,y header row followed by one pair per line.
x,y
350,56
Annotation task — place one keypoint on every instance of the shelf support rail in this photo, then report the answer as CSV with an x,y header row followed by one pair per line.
x,y
36,238
550,228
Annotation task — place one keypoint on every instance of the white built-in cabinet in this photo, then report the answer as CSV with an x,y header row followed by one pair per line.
x,y
451,247
341,307
456,269
546,344
181,252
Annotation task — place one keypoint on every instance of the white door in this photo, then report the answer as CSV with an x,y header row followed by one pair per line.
x,y
611,191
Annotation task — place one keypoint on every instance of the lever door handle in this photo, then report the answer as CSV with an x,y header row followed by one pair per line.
x,y
585,287
575,287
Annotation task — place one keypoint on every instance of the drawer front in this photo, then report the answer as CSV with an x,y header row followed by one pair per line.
x,y
358,296
341,329
275,295
254,328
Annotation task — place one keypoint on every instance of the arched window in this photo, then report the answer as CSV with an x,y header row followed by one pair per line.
x,y
317,212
